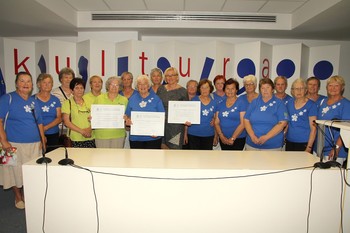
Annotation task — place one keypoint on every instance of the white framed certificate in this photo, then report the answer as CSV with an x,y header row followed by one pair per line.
x,y
147,123
181,111
104,116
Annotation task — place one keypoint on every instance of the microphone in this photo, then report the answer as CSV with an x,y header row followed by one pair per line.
x,y
66,160
43,159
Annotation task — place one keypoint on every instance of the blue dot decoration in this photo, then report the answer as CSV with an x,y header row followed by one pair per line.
x,y
163,63
286,68
323,70
245,67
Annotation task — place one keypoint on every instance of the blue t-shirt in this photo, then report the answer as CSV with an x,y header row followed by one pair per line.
x,y
49,112
299,124
218,99
230,117
152,103
263,117
319,100
204,129
287,99
340,111
21,126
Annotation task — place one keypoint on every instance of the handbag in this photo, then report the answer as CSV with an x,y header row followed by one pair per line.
x,y
64,139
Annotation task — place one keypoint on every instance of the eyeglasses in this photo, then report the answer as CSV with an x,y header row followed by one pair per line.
x,y
114,85
249,84
170,75
298,89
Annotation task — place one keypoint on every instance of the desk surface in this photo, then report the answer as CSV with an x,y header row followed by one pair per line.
x,y
183,159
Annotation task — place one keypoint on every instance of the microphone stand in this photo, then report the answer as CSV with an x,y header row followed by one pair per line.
x,y
43,159
328,164
66,160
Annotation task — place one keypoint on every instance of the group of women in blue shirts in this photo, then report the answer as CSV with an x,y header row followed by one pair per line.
x,y
251,121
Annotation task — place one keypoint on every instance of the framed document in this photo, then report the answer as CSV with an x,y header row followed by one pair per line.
x,y
105,116
147,123
181,111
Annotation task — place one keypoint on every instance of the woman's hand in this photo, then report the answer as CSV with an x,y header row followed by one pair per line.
x,y
5,145
86,132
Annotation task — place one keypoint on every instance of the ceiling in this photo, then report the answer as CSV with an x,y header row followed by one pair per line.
x,y
295,19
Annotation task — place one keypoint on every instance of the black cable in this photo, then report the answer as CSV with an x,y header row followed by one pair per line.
x,y
192,178
344,177
95,196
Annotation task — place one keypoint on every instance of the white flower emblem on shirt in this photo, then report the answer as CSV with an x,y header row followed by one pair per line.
x,y
234,109
27,108
150,100
225,114
143,104
294,117
212,108
325,110
271,104
263,109
301,113
205,112
45,109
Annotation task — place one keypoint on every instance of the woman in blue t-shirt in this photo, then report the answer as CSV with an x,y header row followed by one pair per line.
x,y
302,113
201,136
334,107
50,107
265,119
21,127
144,101
229,116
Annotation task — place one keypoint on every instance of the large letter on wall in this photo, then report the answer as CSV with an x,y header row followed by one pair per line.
x,y
20,56
55,55
136,57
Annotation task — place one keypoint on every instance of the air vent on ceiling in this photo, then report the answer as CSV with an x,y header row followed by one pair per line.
x,y
185,17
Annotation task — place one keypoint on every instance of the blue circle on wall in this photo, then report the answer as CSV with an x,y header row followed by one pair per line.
x,y
245,67
286,68
323,70
163,63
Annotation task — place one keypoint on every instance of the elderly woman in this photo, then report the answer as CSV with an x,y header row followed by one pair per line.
x,y
126,87
172,91
335,106
201,136
250,84
313,86
144,101
265,119
229,117
96,83
21,127
111,138
156,79
64,92
76,113
50,107
302,113
219,93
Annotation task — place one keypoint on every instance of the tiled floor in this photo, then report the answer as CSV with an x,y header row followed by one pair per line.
x,y
12,220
